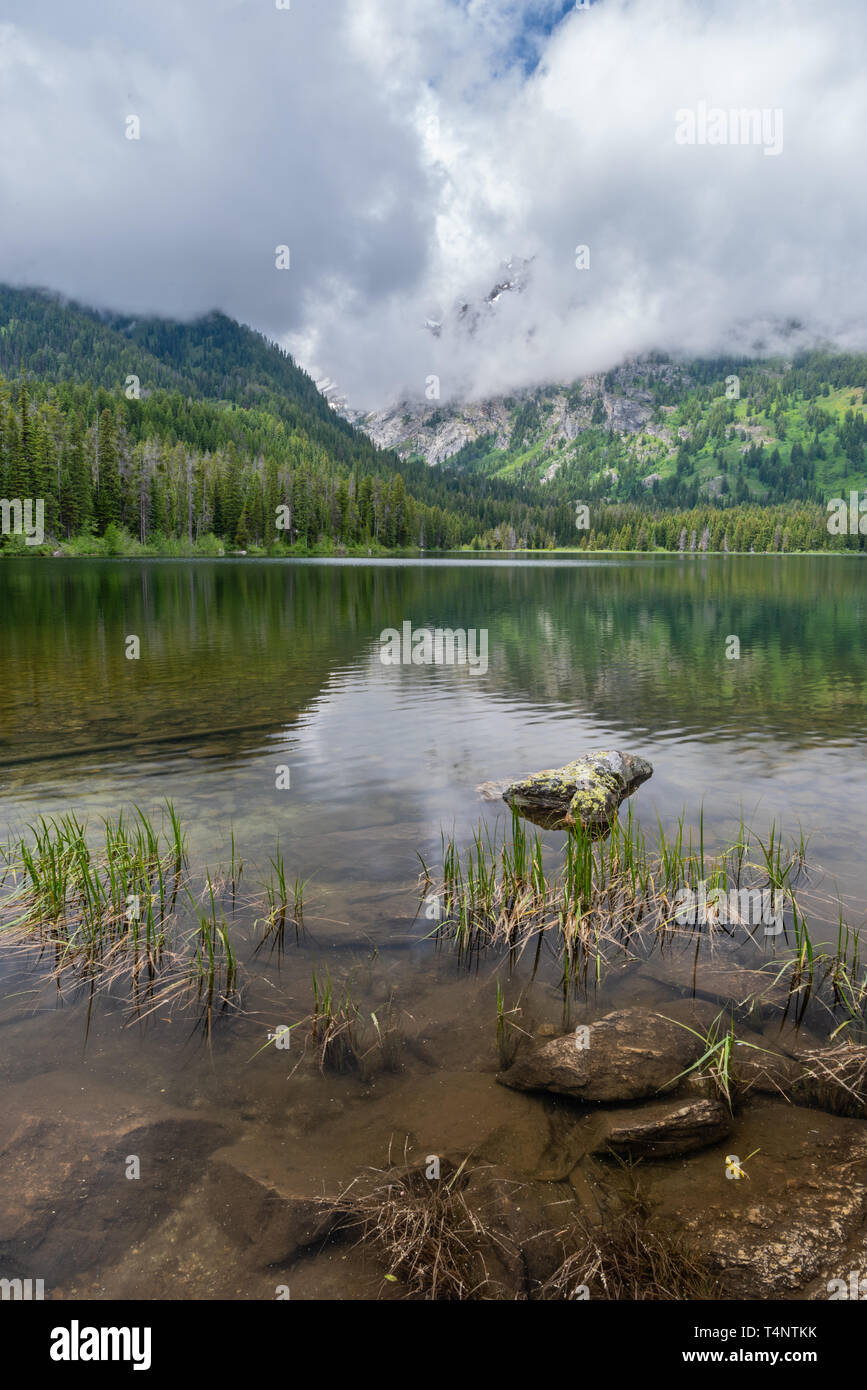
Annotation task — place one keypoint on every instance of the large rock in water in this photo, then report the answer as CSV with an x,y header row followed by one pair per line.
x,y
727,981
587,791
665,1129
648,1129
630,1054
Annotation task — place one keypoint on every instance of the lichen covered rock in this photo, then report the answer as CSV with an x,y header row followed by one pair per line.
x,y
587,791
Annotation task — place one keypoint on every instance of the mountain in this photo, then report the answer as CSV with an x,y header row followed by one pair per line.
x,y
547,418
211,358
144,434
657,429
173,431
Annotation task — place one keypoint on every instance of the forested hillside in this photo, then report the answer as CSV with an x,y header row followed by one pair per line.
x,y
183,431
205,436
661,433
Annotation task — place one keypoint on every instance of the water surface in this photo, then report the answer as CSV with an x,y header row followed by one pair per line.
x,y
249,666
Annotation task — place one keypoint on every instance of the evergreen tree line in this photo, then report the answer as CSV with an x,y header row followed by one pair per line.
x,y
100,461
748,528
168,468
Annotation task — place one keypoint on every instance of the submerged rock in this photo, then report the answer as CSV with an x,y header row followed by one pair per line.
x,y
627,1055
492,791
664,1129
652,1129
66,1203
727,981
797,1221
270,1220
525,1224
587,791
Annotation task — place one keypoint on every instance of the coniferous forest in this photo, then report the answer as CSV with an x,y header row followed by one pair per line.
x,y
203,438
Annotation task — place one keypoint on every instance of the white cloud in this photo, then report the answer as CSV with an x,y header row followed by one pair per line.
x,y
403,153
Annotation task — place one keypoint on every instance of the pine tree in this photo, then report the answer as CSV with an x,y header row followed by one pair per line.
x,y
233,496
108,494
158,516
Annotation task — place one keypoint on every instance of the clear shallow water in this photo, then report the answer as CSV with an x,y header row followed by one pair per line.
x,y
246,666
249,665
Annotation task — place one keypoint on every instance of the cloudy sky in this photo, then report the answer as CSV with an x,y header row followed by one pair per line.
x,y
404,149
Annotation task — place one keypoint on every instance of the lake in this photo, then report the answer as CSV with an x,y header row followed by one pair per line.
x,y
258,704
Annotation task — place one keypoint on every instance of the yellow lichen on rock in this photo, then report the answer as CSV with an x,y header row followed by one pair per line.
x,y
586,791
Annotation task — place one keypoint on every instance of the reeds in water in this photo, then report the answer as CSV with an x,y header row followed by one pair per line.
x,y
335,1025
625,895
629,1257
430,1241
110,911
284,907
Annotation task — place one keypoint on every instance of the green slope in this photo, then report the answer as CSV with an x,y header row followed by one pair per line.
x,y
211,358
228,429
260,432
795,432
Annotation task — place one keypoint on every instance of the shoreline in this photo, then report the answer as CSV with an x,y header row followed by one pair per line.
x,y
381,553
